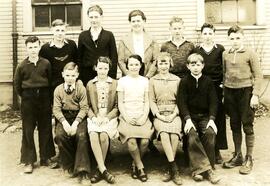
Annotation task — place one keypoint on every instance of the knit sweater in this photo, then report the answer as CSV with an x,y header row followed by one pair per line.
x,y
179,56
59,57
242,69
197,97
29,75
76,101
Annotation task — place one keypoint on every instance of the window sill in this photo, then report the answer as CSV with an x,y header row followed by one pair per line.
x,y
48,33
245,27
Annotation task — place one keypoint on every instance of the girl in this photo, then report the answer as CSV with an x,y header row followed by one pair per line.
x,y
102,116
138,41
163,91
134,127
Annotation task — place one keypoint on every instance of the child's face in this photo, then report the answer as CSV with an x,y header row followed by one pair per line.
x,y
102,70
207,35
32,49
59,32
95,19
195,67
134,66
163,65
236,40
137,23
70,76
177,30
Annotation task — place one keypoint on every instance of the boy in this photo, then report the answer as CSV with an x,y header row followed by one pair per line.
x,y
59,51
70,108
178,47
32,83
94,43
212,56
197,102
242,79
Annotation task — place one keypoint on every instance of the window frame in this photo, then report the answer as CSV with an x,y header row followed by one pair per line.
x,y
260,21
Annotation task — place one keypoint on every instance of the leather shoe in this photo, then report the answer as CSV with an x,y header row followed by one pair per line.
x,y
247,165
167,176
236,160
197,177
212,176
176,178
28,168
97,176
142,175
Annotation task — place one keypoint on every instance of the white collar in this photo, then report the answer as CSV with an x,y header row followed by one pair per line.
x,y
53,44
196,77
72,87
177,44
109,80
203,46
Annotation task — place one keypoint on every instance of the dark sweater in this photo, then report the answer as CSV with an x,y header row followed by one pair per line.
x,y
179,56
29,75
213,62
90,50
197,97
58,58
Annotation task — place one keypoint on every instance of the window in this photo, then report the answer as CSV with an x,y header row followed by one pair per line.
x,y
230,11
45,11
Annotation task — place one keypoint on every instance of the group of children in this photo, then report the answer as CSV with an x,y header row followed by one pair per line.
x,y
176,94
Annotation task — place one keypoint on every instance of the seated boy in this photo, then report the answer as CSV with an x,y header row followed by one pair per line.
x,y
32,83
70,108
242,81
197,101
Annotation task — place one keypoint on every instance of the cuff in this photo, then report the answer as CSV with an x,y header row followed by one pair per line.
x,y
212,117
187,117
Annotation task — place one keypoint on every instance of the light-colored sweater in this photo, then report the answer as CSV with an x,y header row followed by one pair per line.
x,y
242,69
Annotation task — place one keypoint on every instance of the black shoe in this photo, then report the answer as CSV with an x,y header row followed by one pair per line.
x,y
247,165
142,175
134,172
167,176
97,176
218,159
236,160
49,163
176,178
212,176
108,177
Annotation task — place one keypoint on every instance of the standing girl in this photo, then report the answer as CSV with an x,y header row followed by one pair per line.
x,y
135,127
163,91
102,116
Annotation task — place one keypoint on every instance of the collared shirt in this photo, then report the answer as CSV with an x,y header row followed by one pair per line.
x,y
95,33
177,44
208,52
72,87
52,44
108,80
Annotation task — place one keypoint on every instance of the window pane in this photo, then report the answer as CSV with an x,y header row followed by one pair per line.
x,y
229,11
213,12
74,15
58,12
40,1
42,16
246,11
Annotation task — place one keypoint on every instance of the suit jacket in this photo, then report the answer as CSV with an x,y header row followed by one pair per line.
x,y
151,49
92,97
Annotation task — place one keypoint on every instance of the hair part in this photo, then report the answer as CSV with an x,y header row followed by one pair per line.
x,y
208,25
137,57
96,8
58,22
176,19
134,13
104,59
32,39
195,57
71,66
235,29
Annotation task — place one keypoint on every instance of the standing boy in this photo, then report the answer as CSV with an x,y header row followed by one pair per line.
x,y
59,51
197,101
70,108
242,80
32,83
178,47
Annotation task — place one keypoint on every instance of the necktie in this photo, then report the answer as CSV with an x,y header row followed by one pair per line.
x,y
69,89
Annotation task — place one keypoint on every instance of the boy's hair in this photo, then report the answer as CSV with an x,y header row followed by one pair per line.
x,y
32,39
96,8
134,13
71,66
138,57
176,19
163,56
58,22
104,59
235,29
208,25
195,57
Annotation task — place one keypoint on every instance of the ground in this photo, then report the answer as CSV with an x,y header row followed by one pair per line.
x,y
11,172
